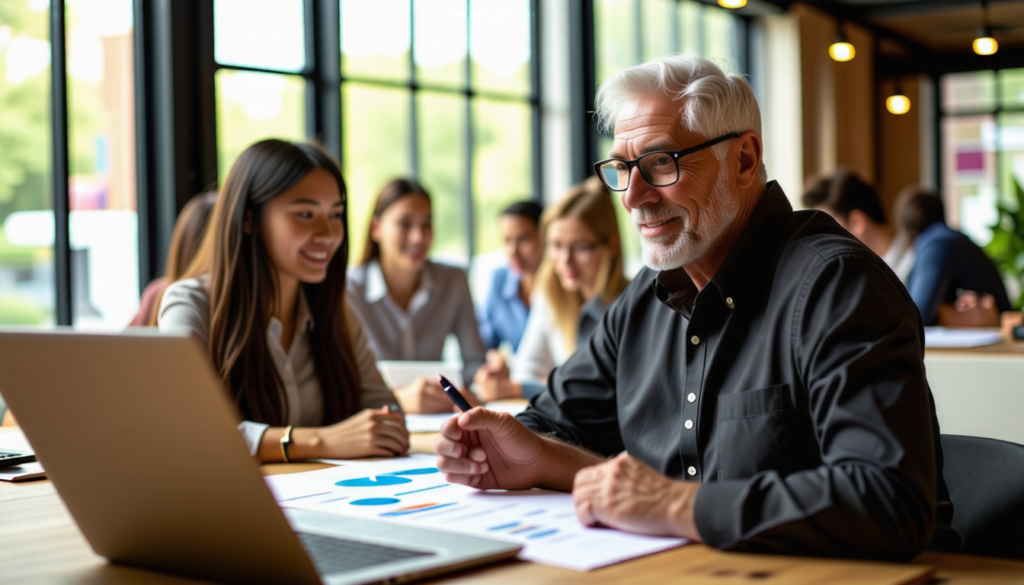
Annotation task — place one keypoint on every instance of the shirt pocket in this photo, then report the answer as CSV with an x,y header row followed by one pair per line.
x,y
752,434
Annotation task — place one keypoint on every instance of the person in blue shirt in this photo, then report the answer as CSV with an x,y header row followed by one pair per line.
x,y
502,318
946,263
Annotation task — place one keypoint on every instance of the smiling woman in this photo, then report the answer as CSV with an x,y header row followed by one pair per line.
x,y
266,296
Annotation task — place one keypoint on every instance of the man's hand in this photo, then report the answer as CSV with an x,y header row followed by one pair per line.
x,y
489,450
626,494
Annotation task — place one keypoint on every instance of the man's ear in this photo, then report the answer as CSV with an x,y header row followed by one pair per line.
x,y
247,223
750,151
857,223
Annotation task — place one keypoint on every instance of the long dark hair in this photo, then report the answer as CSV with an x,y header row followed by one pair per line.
x,y
243,288
188,234
388,196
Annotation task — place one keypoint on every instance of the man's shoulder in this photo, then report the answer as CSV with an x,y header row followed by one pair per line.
x,y
816,239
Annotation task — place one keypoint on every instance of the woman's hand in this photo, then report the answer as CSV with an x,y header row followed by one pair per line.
x,y
423,396
368,433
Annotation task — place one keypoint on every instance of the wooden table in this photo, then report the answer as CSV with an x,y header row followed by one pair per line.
x,y
39,543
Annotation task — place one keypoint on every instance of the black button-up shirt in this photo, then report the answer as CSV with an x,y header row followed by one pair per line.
x,y
792,386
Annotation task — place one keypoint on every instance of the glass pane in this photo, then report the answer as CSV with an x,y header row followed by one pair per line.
x,y
691,31
969,174
1011,157
27,288
656,20
719,37
615,37
369,49
501,165
501,45
103,221
442,170
969,91
1011,87
242,29
253,106
375,150
440,42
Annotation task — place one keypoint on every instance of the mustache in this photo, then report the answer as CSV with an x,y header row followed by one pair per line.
x,y
649,214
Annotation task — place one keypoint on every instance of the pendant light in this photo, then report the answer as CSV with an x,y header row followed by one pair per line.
x,y
897,103
985,43
841,50
732,4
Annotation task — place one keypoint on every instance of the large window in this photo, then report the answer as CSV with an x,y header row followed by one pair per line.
x,y
436,89
442,92
982,119
100,168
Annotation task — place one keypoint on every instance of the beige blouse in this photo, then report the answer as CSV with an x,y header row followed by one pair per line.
x,y
186,305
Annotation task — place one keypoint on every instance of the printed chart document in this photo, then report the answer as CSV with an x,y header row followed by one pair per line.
x,y
431,423
410,490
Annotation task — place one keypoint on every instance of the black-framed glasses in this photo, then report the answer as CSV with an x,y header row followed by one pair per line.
x,y
659,168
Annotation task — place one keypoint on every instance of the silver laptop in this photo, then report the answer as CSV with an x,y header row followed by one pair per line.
x,y
141,441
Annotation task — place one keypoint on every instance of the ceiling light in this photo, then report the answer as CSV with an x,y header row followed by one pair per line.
x,y
841,50
984,44
897,103
732,3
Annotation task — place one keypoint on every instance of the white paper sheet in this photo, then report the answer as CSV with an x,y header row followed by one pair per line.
x,y
940,337
410,490
431,423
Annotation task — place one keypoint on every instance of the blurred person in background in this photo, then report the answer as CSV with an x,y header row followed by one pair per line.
x,y
503,315
580,276
949,265
188,233
856,206
408,304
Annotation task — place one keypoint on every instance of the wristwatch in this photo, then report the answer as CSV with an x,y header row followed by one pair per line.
x,y
286,440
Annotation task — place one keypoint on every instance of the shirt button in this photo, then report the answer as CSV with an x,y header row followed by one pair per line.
x,y
691,397
728,301
691,470
695,340
688,424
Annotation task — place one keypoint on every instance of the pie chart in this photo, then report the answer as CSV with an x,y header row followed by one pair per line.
x,y
375,481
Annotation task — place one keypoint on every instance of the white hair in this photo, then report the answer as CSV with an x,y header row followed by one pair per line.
x,y
713,102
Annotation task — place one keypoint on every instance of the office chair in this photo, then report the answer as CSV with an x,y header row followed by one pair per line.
x,y
986,484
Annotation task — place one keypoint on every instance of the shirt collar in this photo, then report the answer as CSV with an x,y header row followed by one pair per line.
x,y
377,287
930,233
511,288
303,319
749,258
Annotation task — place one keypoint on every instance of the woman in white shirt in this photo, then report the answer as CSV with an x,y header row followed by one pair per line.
x,y
266,297
408,305
579,278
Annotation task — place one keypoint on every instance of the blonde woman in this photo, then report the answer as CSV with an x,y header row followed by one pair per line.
x,y
580,276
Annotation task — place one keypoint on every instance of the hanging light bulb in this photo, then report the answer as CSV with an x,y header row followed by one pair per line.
x,y
984,44
732,3
841,50
897,103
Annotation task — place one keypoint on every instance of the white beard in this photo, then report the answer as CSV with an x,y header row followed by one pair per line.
x,y
689,243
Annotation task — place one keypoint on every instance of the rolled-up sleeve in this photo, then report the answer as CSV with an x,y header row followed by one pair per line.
x,y
874,494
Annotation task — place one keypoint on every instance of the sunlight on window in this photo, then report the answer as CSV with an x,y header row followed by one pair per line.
x,y
243,28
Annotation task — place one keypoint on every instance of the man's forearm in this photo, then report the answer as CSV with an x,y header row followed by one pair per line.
x,y
560,462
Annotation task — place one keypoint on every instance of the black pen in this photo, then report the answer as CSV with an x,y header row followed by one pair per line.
x,y
454,394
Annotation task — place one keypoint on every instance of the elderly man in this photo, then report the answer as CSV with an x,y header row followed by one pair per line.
x,y
760,386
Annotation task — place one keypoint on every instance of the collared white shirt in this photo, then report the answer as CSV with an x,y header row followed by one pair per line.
x,y
542,348
441,305
187,304
900,257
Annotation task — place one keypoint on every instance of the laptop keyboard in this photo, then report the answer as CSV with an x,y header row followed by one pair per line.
x,y
336,555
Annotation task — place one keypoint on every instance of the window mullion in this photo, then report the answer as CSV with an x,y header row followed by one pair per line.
x,y
59,168
536,122
414,130
467,185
